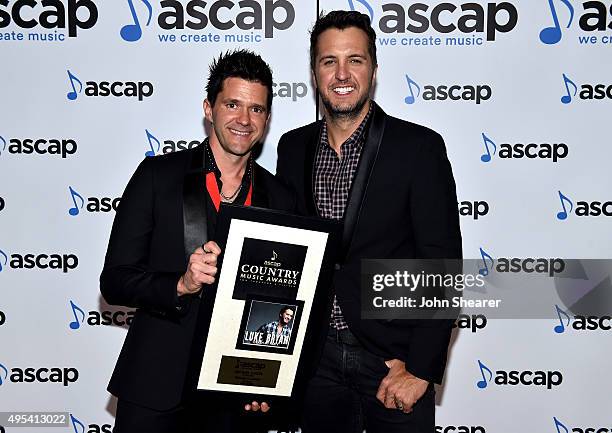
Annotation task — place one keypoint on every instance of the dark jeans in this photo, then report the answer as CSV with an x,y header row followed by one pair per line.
x,y
341,397
201,416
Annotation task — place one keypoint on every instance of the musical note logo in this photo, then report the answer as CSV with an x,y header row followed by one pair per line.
x,y
559,425
76,323
133,32
75,423
486,157
485,271
3,144
73,94
3,368
563,214
274,256
151,138
552,35
74,211
410,99
560,328
482,384
566,99
5,259
365,4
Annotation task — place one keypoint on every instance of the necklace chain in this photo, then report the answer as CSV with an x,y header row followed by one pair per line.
x,y
233,196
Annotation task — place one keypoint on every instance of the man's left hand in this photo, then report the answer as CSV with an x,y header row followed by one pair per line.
x,y
255,406
400,389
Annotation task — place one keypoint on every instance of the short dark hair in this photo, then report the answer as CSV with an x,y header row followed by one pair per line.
x,y
243,64
341,20
285,308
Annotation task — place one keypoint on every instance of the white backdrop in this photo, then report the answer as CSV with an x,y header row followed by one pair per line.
x,y
494,50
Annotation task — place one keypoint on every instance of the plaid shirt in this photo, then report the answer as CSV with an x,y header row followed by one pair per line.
x,y
333,178
272,328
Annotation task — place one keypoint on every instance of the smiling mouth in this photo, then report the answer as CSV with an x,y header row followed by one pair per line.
x,y
239,133
345,90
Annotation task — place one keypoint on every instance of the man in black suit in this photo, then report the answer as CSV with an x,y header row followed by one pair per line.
x,y
391,184
158,257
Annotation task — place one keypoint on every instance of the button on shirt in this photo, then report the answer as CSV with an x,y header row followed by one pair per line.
x,y
333,179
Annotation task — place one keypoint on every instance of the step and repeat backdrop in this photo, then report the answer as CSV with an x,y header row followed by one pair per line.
x,y
520,90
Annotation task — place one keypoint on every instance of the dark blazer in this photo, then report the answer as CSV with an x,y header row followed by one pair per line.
x,y
161,220
402,204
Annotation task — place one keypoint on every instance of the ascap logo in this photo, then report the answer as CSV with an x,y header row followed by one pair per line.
x,y
548,379
528,149
169,145
583,208
79,427
581,322
474,322
94,204
595,17
60,15
475,209
562,428
117,89
255,21
63,262
61,147
470,24
588,92
528,265
460,429
293,91
447,92
63,375
98,318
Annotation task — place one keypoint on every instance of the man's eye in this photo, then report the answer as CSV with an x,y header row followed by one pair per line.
x,y
358,61
328,62
231,105
258,109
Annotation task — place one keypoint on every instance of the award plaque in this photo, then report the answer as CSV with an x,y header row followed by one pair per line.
x,y
261,324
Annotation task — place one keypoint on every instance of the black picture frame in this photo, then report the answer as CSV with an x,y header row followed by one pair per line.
x,y
313,326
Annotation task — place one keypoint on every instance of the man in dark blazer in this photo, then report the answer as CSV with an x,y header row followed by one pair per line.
x,y
391,184
160,256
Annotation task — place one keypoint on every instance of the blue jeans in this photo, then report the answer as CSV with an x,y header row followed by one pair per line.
x,y
341,397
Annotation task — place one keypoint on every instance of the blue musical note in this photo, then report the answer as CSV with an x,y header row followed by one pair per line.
x,y
73,95
76,324
152,139
74,211
76,422
486,157
559,329
365,4
3,144
485,271
552,35
484,382
411,98
5,259
559,424
5,373
563,214
566,99
133,32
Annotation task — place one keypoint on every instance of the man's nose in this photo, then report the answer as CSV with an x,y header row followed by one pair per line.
x,y
342,72
244,117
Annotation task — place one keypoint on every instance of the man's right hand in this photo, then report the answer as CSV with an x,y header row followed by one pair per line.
x,y
202,269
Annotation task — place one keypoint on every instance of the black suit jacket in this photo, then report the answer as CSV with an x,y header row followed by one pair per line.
x,y
402,204
161,220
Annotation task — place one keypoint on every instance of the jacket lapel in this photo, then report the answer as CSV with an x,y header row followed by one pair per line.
x,y
362,176
194,203
260,196
312,143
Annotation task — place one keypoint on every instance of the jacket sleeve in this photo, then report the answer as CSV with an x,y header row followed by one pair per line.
x,y
438,236
126,278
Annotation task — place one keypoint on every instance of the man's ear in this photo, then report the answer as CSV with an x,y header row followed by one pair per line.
x,y
208,110
374,75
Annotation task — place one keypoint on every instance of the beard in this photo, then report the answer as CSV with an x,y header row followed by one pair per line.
x,y
344,111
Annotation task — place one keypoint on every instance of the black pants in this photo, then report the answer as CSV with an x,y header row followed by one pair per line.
x,y
341,397
200,415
